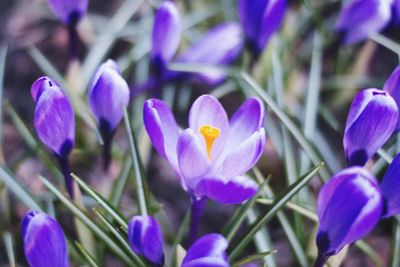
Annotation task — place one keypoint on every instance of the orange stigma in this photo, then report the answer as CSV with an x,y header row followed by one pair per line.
x,y
209,133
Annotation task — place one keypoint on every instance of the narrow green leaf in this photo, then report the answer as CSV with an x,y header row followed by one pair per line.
x,y
275,207
136,166
253,257
81,215
179,237
111,210
122,239
386,42
19,190
86,255
8,243
3,55
395,247
120,184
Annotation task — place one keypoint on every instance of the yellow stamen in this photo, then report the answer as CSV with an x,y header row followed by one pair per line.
x,y
209,133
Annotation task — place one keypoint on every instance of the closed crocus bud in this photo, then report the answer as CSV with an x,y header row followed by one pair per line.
x,y
349,206
166,35
44,241
371,120
392,86
360,18
260,19
69,11
146,239
54,121
390,188
207,251
108,96
219,46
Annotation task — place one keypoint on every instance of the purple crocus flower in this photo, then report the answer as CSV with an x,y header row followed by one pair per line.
x,y
349,206
108,96
390,186
166,35
360,18
219,46
213,154
260,20
146,238
392,86
44,241
69,11
372,118
207,251
54,122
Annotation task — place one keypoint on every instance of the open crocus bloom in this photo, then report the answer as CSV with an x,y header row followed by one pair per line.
x,y
213,154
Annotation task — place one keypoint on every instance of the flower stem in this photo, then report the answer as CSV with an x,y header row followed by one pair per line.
x,y
197,208
65,169
321,260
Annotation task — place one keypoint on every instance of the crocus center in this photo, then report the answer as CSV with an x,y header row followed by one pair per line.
x,y
209,133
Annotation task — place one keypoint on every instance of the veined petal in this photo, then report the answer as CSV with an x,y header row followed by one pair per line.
x,y
371,121
244,156
392,86
146,239
349,206
209,250
69,11
390,188
207,110
108,95
192,158
44,241
166,33
227,191
54,118
251,13
360,18
162,129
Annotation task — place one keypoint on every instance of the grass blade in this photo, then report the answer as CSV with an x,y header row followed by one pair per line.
x,y
253,257
85,254
3,55
8,243
275,207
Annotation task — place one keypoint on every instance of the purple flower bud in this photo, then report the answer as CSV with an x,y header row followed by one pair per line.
x,y
146,239
219,46
166,36
44,241
207,251
360,18
69,11
260,20
372,118
390,188
392,86
108,95
54,118
349,206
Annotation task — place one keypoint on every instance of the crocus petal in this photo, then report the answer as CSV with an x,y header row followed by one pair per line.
x,y
192,157
227,191
207,110
360,18
69,11
207,251
54,118
219,46
371,121
390,186
108,95
251,13
243,157
392,86
271,21
146,239
349,206
246,121
166,33
162,129
44,241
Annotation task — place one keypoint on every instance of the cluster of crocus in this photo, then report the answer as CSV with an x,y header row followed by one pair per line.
x,y
54,122
44,241
359,19
70,12
213,154
145,237
107,97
